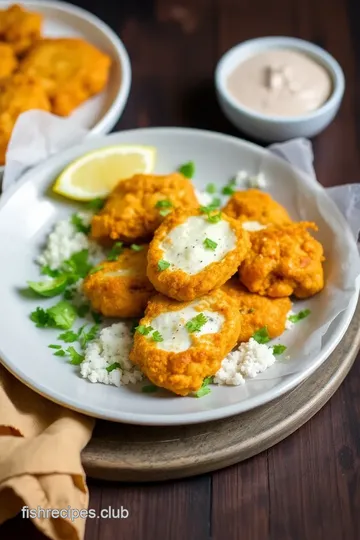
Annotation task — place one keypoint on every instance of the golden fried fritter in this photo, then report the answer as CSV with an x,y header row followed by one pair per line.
x,y
177,358
190,256
120,288
8,61
134,209
19,28
284,261
17,95
255,205
258,311
71,71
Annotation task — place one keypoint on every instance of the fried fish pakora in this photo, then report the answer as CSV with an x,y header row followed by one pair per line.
x,y
189,255
120,288
8,61
17,95
71,71
284,261
19,28
256,206
258,311
179,344
136,207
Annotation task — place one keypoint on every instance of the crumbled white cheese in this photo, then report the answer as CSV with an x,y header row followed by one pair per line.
x,y
244,180
253,226
113,345
65,240
203,197
247,361
289,324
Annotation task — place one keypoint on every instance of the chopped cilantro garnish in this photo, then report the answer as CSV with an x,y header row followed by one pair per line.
x,y
196,323
204,390
262,335
96,204
149,388
62,314
156,336
228,190
47,271
54,346
75,357
41,318
215,203
210,244
163,204
144,330
211,188
163,265
113,366
85,337
49,288
188,169
299,316
279,349
82,310
115,251
60,353
135,247
165,212
97,317
68,337
134,326
77,266
96,269
79,224
69,294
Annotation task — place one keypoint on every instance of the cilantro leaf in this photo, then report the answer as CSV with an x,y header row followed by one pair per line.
x,y
262,335
75,358
62,314
211,188
228,190
113,366
149,389
79,225
68,337
96,269
165,203
278,349
47,271
157,337
299,316
135,247
144,330
215,203
41,318
89,335
82,310
60,352
210,244
96,204
97,317
204,389
187,169
196,323
77,266
115,251
54,346
163,265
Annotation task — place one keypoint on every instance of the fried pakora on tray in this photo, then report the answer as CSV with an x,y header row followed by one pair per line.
x,y
193,253
138,205
18,94
8,61
258,311
177,344
120,288
71,71
19,27
283,261
255,206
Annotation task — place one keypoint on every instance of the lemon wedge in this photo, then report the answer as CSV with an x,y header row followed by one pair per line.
x,y
95,174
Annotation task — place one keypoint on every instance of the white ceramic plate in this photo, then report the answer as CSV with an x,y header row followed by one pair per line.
x,y
100,113
27,213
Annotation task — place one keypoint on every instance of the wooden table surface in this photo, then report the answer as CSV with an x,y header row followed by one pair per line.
x,y
308,486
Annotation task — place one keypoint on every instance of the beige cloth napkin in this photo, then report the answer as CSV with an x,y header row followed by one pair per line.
x,y
40,465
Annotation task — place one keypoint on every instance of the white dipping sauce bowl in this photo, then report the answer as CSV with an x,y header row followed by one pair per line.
x,y
277,128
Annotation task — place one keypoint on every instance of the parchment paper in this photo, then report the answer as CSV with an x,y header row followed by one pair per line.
x,y
38,135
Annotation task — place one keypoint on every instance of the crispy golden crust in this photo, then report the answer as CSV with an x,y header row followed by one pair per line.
x,y
182,286
284,261
19,28
17,95
255,205
258,311
71,71
130,213
124,295
8,60
185,371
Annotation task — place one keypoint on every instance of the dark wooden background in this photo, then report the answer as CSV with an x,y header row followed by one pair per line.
x,y
308,486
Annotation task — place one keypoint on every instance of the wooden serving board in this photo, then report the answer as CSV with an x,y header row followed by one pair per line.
x,y
139,453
